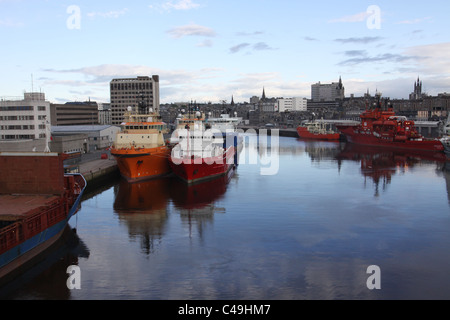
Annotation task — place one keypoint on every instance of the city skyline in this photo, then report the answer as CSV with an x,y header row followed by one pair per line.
x,y
209,51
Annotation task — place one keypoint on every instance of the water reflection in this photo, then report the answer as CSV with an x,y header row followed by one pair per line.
x,y
381,164
322,150
445,171
142,207
47,279
196,203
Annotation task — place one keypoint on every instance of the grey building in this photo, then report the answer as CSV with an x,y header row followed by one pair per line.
x,y
129,91
74,114
328,91
98,136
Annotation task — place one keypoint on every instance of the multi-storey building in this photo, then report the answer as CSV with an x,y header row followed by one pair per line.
x,y
24,119
74,113
104,113
328,91
128,92
292,104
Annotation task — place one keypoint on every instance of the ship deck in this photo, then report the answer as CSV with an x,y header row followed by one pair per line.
x,y
15,207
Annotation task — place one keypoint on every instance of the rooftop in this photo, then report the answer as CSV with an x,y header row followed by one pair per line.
x,y
85,128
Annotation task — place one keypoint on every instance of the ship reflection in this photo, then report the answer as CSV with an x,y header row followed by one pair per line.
x,y
196,203
46,280
381,164
142,207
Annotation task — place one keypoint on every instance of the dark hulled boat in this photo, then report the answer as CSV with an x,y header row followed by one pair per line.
x,y
36,202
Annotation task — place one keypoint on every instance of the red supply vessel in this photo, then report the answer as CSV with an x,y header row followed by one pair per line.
x,y
380,126
317,131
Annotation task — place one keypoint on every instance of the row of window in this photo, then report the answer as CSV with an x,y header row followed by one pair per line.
x,y
19,136
131,86
14,118
22,108
142,127
23,127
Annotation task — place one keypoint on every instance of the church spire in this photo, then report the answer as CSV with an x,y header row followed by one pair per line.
x,y
263,94
232,100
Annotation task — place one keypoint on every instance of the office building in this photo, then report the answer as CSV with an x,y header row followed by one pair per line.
x,y
74,113
129,91
292,104
24,119
328,92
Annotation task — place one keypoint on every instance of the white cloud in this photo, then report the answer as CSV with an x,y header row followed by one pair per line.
x,y
180,5
174,5
10,23
414,21
205,43
191,30
110,14
359,17
432,59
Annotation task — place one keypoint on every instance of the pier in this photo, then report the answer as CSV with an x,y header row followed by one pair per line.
x,y
97,167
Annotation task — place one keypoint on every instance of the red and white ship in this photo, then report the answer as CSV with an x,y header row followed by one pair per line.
x,y
380,126
198,154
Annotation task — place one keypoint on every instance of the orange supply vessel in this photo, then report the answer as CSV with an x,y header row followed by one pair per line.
x,y
139,149
317,131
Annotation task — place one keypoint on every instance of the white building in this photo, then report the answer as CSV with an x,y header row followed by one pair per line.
x,y
327,91
292,104
24,119
104,113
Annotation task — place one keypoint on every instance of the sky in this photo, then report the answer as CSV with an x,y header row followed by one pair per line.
x,y
211,50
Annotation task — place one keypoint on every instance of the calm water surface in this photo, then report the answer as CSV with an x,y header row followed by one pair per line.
x,y
307,232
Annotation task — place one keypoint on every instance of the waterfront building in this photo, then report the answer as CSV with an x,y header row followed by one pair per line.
x,y
292,104
24,119
129,91
328,91
74,113
104,113
98,136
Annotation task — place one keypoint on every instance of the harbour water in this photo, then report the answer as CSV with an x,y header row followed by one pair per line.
x,y
308,230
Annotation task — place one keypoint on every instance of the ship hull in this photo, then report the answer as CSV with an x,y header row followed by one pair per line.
x,y
16,259
446,144
194,170
353,135
304,133
141,164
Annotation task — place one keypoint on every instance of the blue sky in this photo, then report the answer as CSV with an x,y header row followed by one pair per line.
x,y
209,50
